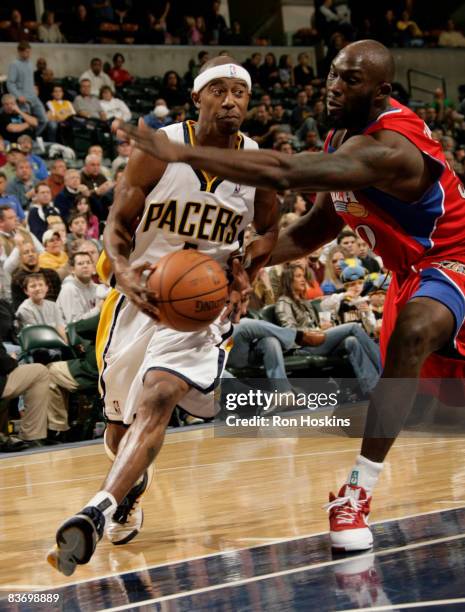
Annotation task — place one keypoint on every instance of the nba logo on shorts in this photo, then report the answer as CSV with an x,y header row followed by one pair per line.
x,y
232,70
116,406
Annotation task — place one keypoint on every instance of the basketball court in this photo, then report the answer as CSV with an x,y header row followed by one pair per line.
x,y
238,524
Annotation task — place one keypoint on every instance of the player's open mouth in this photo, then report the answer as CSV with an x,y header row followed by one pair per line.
x,y
331,105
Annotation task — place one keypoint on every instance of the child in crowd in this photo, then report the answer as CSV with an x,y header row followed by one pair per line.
x,y
82,206
36,310
355,308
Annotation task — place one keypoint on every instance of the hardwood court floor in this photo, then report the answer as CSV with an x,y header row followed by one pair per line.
x,y
210,494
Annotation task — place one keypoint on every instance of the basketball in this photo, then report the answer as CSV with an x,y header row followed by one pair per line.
x,y
192,289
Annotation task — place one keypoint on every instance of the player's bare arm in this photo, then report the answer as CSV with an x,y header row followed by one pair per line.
x,y
314,229
140,176
360,162
258,252
266,218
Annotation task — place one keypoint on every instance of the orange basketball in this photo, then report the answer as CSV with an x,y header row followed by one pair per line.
x,y
192,289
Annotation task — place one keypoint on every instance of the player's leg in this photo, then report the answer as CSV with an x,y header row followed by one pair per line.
x,y
78,537
423,326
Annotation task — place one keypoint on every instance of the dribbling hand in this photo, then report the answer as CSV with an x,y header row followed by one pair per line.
x,y
131,281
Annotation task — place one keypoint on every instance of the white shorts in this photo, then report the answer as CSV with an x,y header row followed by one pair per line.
x,y
136,345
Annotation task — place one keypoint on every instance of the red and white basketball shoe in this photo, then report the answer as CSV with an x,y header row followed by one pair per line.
x,y
348,519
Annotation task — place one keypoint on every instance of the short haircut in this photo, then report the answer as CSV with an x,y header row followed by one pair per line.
x,y
72,259
3,209
3,176
33,276
23,45
7,97
104,88
76,215
95,59
41,184
345,234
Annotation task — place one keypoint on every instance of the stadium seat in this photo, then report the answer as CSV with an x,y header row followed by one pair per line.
x,y
36,342
313,365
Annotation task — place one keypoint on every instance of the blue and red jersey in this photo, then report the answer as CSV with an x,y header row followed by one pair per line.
x,y
401,232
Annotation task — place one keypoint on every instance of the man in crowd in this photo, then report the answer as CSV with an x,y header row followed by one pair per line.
x,y
78,296
56,180
96,77
10,230
13,155
100,188
73,187
20,83
42,211
79,374
24,183
54,256
32,382
87,105
348,240
14,120
28,264
38,165
9,200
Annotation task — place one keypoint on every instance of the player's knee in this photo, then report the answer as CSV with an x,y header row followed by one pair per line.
x,y
159,397
411,339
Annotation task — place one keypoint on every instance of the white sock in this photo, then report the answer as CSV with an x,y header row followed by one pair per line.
x,y
105,502
365,473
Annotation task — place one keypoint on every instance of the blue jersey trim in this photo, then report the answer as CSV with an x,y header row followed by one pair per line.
x,y
417,219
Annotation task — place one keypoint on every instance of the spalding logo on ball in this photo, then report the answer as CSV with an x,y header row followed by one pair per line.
x,y
192,289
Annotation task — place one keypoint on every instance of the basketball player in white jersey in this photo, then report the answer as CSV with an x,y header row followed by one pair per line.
x,y
147,369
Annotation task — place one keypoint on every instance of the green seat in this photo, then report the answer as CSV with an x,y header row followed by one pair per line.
x,y
42,337
268,313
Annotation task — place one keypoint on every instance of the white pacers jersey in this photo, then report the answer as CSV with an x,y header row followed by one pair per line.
x,y
186,209
190,209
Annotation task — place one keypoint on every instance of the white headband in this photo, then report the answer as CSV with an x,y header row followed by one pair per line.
x,y
228,71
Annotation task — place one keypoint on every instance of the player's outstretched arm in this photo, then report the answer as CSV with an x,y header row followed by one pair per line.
x,y
360,162
266,219
314,229
140,176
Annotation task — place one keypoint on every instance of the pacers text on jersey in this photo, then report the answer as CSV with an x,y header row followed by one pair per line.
x,y
201,220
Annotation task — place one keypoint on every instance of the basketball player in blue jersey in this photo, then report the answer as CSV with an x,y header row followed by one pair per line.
x,y
147,369
384,175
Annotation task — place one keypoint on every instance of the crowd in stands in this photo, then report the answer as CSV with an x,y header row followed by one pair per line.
x,y
202,23
59,164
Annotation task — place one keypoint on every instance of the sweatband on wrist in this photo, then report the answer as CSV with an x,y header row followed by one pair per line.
x,y
228,71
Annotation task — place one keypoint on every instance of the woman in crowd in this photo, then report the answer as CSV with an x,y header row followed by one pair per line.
x,y
269,72
117,73
49,31
292,310
332,280
114,108
82,206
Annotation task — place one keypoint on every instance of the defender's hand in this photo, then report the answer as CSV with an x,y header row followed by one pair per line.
x,y
150,141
